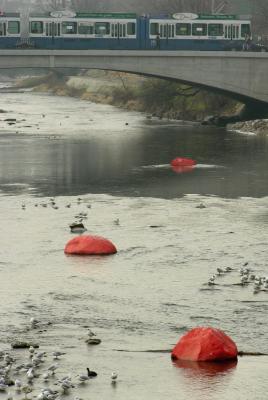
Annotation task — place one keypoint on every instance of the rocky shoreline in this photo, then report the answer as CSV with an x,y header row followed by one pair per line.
x,y
256,127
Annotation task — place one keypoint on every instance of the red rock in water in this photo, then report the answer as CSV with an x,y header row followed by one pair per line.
x,y
182,162
90,245
205,344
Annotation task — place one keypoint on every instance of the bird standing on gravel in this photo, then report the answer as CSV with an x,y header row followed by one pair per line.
x,y
57,354
34,322
114,377
53,368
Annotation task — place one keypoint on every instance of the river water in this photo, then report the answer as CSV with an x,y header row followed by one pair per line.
x,y
144,298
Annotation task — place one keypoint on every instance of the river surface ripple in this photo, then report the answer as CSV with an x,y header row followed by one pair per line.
x,y
146,296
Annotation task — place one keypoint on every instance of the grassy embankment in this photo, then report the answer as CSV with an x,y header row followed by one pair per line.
x,y
158,97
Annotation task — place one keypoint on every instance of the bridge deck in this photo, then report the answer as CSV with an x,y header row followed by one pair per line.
x,y
242,75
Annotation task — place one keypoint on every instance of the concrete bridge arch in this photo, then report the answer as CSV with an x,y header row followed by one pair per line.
x,y
241,75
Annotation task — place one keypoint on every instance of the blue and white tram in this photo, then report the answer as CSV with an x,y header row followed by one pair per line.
x,y
84,31
124,31
199,32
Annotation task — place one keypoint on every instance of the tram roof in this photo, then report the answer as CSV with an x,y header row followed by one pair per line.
x,y
59,14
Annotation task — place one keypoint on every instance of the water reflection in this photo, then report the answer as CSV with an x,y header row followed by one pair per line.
x,y
206,377
192,369
182,169
106,158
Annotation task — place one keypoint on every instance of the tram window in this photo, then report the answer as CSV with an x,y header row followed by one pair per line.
x,y
2,29
237,32
200,29
13,27
245,30
37,27
69,28
183,29
85,29
102,28
154,29
131,28
215,30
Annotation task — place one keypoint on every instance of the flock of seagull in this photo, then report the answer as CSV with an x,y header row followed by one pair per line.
x,y
247,276
23,376
78,226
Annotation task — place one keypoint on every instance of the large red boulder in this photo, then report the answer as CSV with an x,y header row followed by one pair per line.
x,y
205,344
182,162
90,245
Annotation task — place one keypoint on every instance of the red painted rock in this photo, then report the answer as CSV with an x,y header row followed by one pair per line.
x,y
182,162
205,344
90,245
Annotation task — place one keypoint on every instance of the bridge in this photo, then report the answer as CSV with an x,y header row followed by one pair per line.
x,y
241,75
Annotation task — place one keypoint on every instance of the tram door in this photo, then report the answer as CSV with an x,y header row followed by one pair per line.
x,y
118,30
3,29
52,29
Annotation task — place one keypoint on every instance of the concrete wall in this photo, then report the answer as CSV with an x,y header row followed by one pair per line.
x,y
240,74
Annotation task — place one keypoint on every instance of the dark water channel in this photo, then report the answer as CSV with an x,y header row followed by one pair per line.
x,y
145,297
95,156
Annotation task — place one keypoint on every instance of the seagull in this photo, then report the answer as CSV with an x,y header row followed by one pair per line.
x,y
40,354
244,279
31,350
83,377
90,333
53,368
30,374
114,377
77,227
45,376
3,387
220,271
117,221
66,385
18,385
49,394
8,359
34,322
57,354
211,282
26,390
201,205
